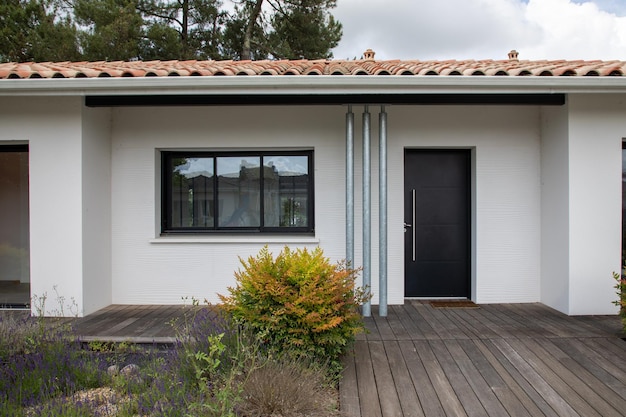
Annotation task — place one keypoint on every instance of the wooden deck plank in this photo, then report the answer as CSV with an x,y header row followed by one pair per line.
x,y
463,390
348,389
498,379
499,321
106,317
442,324
165,326
387,392
141,319
591,400
438,378
456,327
368,393
536,380
557,323
426,321
371,330
407,395
521,387
595,350
520,326
576,353
426,328
475,325
576,327
384,328
413,332
608,395
424,389
548,370
613,348
483,392
542,319
610,325
397,327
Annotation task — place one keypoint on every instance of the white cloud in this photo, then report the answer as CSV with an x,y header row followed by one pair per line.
x,y
482,29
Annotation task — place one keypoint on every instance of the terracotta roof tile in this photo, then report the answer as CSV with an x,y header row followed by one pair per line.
x,y
510,67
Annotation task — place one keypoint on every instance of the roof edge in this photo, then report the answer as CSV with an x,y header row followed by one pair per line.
x,y
321,84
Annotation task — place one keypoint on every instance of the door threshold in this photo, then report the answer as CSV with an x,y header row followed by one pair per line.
x,y
435,298
14,307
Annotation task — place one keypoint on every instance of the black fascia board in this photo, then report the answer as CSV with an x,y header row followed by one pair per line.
x,y
555,99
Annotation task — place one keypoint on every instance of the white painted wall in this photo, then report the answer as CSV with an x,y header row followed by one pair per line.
x,y
152,269
96,208
76,154
506,148
555,213
52,128
147,268
596,128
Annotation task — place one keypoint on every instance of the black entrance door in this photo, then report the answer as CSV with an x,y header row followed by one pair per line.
x,y
437,223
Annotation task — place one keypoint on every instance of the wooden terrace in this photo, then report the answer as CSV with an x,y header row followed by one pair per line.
x,y
488,360
421,360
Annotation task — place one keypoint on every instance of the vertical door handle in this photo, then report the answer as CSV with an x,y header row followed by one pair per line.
x,y
413,223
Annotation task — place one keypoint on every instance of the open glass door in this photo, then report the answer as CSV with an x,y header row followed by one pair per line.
x,y
14,227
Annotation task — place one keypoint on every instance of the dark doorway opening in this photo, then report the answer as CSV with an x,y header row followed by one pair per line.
x,y
14,227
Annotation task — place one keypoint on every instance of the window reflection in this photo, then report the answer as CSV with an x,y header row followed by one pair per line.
x,y
286,186
262,191
192,192
239,188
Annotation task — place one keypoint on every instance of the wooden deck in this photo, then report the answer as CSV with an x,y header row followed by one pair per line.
x,y
493,360
131,323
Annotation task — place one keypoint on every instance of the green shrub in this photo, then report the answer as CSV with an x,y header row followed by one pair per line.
x,y
620,286
298,303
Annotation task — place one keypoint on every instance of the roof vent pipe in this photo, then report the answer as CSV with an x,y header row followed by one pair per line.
x,y
513,55
369,55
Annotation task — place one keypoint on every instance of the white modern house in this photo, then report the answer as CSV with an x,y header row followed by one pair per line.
x,y
144,182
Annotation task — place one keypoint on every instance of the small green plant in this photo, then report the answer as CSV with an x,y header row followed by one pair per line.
x,y
620,286
207,363
299,303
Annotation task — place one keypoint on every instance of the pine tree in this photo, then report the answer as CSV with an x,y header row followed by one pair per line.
x,y
29,31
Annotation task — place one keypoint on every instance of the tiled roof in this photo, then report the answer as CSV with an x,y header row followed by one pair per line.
x,y
510,67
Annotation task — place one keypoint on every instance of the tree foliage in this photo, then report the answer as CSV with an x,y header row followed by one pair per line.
x,y
29,31
70,30
112,29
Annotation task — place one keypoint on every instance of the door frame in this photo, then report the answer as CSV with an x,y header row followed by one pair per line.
x,y
20,298
472,240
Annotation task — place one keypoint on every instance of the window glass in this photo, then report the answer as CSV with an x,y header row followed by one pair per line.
x,y
286,190
192,201
231,191
239,189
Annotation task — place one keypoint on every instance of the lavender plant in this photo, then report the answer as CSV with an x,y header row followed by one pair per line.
x,y
41,362
214,369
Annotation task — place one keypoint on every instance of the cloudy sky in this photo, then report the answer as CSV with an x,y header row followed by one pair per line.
x,y
482,29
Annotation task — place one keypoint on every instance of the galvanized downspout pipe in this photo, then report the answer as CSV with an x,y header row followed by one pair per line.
x,y
382,213
367,221
350,187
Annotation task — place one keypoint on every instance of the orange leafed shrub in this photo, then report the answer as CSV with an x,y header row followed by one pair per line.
x,y
298,302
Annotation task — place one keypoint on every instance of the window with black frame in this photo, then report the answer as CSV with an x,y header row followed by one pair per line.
x,y
237,191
